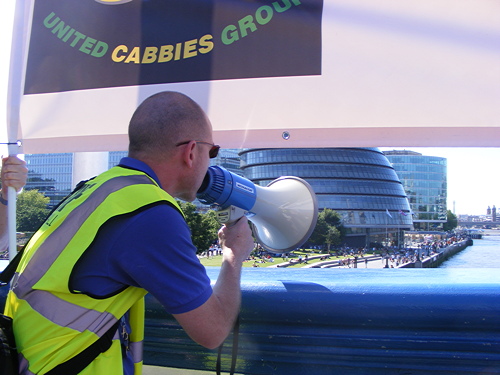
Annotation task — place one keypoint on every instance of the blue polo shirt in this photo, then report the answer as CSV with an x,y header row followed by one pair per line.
x,y
151,250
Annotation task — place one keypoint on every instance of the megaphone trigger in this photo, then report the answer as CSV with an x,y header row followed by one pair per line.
x,y
230,215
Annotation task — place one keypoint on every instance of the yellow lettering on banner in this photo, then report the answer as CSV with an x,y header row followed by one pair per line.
x,y
206,44
149,55
134,56
119,53
166,53
190,48
162,54
178,50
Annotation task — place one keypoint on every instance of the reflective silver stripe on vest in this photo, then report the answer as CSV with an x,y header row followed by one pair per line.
x,y
59,311
66,314
136,351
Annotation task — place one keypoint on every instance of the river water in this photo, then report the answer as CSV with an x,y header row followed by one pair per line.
x,y
485,253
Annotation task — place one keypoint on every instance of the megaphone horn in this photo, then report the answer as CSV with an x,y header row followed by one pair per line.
x,y
283,214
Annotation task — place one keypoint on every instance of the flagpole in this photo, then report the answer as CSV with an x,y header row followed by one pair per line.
x,y
16,80
12,208
386,231
11,222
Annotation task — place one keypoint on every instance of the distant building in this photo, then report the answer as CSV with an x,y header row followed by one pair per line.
x,y
425,182
359,183
50,174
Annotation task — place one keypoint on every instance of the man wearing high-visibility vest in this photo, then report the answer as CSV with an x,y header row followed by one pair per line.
x,y
119,236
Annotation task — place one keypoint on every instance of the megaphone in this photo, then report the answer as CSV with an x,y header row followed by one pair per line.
x,y
283,214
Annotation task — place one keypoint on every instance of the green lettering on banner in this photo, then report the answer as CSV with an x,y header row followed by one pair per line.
x,y
287,6
263,16
230,34
66,33
87,45
246,23
100,49
264,9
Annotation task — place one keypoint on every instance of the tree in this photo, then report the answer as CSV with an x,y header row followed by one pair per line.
x,y
203,227
329,229
31,210
332,237
451,221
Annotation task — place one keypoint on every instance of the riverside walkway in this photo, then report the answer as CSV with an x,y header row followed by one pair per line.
x,y
375,261
378,261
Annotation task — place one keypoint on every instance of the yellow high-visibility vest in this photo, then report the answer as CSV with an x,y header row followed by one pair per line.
x,y
53,324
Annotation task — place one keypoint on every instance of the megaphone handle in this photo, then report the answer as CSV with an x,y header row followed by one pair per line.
x,y
229,216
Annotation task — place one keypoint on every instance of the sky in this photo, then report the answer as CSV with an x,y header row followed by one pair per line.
x,y
473,173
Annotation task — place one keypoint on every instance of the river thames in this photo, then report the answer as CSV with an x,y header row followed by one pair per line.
x,y
485,253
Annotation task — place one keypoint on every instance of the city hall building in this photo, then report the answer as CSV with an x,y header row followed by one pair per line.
x,y
359,183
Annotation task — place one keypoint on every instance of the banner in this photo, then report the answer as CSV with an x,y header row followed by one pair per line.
x,y
82,45
284,73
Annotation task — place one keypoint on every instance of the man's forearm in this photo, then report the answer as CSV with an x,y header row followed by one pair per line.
x,y
228,290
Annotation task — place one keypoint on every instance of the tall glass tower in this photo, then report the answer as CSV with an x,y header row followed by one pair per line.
x,y
425,184
359,183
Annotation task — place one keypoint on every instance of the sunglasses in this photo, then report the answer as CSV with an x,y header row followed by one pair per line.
x,y
212,153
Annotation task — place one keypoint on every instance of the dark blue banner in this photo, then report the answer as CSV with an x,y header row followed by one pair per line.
x,y
88,44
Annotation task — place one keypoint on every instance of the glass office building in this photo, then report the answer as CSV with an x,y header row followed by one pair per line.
x,y
50,174
359,183
425,183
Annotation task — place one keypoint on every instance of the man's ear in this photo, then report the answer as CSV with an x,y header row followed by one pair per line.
x,y
188,154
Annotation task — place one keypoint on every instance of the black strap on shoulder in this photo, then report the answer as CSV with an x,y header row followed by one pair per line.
x,y
78,363
234,354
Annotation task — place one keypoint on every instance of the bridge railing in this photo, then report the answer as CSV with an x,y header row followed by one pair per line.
x,y
350,321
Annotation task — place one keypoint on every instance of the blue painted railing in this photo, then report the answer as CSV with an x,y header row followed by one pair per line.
x,y
349,321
